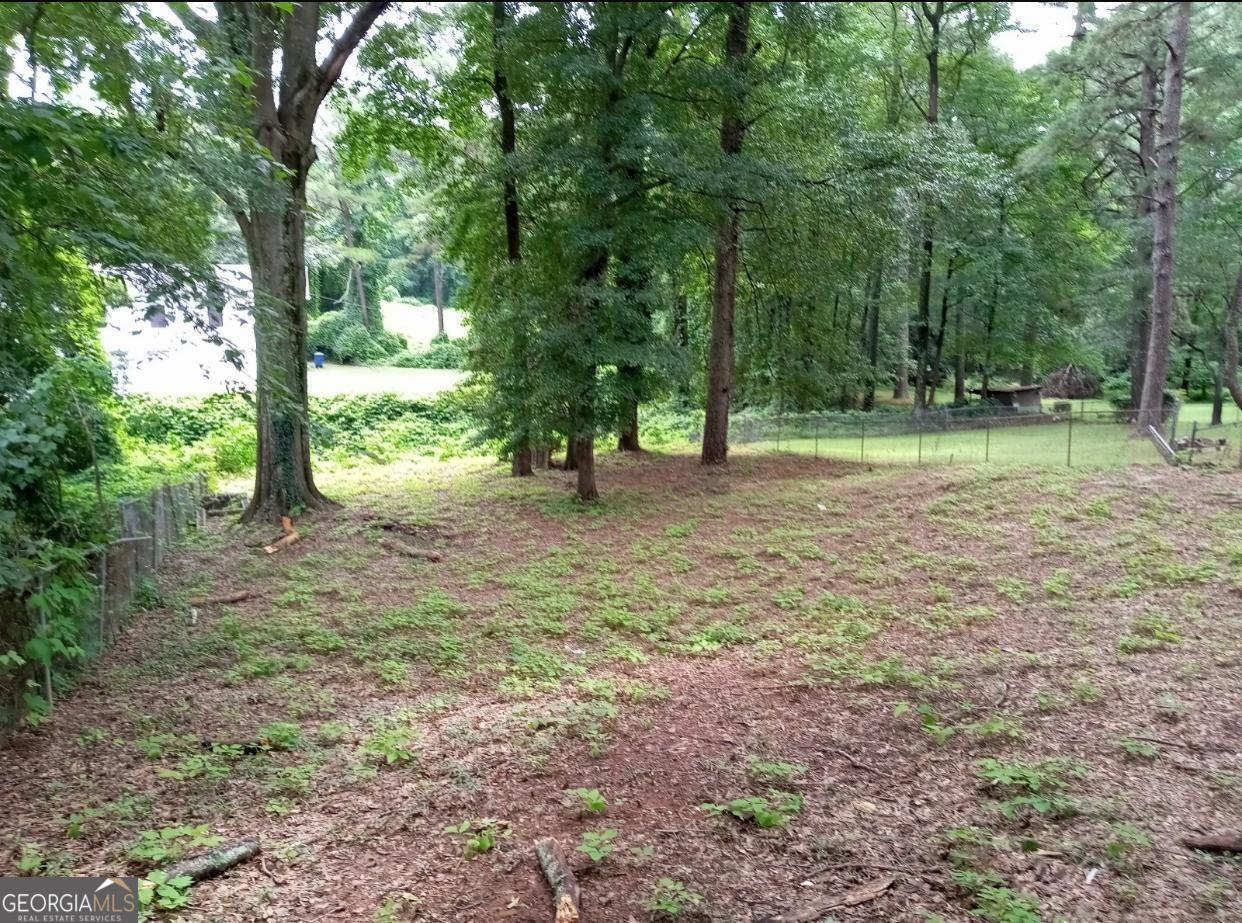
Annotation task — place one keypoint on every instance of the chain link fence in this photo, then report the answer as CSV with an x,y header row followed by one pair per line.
x,y
1068,434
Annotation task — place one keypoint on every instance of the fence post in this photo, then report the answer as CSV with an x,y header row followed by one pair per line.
x,y
47,664
920,420
817,437
862,440
779,420
103,598
987,440
1194,431
1069,443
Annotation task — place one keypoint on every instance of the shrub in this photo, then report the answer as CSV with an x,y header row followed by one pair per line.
x,y
342,337
440,353
235,448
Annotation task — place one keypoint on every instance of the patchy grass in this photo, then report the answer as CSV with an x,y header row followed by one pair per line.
x,y
1012,689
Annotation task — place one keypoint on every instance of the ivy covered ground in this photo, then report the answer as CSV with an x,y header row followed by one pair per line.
x,y
786,687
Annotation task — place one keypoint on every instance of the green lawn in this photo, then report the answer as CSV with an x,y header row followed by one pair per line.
x,y
1051,445
335,379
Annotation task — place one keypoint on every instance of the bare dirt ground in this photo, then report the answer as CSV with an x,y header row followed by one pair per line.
x,y
985,693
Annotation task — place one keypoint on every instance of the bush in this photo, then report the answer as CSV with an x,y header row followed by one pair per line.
x,y
218,431
343,338
440,353
235,448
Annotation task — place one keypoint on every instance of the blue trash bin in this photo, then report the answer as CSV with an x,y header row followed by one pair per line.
x,y
318,359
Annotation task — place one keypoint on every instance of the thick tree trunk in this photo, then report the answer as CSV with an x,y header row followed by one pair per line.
x,y
587,491
628,439
1140,330
724,287
1151,411
275,240
438,284
522,466
571,453
873,333
284,104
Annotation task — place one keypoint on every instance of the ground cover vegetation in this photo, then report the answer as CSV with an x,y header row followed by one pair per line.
x,y
864,676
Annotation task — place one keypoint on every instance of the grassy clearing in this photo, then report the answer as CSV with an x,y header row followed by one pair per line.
x,y
334,379
711,688
1100,445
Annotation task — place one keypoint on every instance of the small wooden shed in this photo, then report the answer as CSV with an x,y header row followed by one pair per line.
x,y
1018,397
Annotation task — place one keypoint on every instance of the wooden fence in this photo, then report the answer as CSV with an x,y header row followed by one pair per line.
x,y
150,527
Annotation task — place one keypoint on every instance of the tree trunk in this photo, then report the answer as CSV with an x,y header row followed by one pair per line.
x,y
873,333
922,328
587,491
1140,330
628,440
959,366
1151,411
901,386
1233,317
283,107
1218,395
571,453
938,350
354,266
275,243
523,451
522,463
438,283
724,287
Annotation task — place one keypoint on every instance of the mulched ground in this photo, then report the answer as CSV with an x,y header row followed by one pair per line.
x,y
781,609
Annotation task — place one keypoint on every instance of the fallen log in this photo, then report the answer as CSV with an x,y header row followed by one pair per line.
x,y
1225,842
566,894
214,861
291,535
421,554
860,895
240,596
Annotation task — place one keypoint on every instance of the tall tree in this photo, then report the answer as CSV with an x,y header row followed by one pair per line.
x,y
279,114
1165,194
522,451
724,285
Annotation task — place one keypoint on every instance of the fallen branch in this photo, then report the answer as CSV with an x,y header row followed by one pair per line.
x,y
860,895
291,535
401,548
841,754
215,861
1226,842
566,894
238,597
